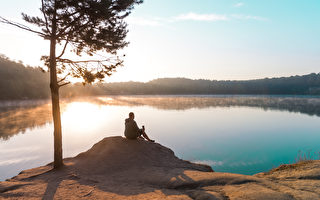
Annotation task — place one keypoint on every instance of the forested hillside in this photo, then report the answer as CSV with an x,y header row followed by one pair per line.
x,y
20,82
294,85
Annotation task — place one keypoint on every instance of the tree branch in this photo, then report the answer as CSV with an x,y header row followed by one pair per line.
x,y
45,17
64,48
61,32
21,26
64,78
77,11
61,85
82,61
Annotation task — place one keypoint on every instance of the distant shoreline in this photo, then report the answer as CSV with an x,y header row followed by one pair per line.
x,y
12,101
20,82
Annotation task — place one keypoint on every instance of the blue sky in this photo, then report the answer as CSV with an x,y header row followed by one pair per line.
x,y
209,39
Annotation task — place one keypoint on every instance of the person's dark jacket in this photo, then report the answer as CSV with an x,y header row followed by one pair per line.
x,y
131,129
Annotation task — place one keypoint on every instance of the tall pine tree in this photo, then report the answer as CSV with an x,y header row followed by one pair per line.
x,y
85,27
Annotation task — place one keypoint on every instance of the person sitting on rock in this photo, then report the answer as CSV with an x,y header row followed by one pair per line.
x,y
132,131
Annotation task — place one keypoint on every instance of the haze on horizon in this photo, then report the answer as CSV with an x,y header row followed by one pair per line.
x,y
207,39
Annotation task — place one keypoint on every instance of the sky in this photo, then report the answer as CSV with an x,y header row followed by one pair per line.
x,y
198,39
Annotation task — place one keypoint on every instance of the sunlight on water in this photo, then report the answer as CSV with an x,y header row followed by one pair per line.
x,y
83,116
239,134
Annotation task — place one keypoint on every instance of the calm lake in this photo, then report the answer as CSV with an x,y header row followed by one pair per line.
x,y
238,134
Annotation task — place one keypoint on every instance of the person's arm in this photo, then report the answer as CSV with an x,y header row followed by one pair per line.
x,y
135,125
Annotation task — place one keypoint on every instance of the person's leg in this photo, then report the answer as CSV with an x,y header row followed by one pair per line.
x,y
145,135
139,134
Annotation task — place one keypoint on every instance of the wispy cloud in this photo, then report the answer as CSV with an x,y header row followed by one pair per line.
x,y
191,16
201,17
217,17
237,5
249,17
141,21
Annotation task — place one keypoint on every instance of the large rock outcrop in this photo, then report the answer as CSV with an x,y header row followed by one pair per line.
x,y
116,168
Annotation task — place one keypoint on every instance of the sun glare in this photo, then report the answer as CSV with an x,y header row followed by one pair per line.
x,y
83,116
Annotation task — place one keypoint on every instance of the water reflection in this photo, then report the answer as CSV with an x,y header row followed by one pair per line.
x,y
18,116
230,133
19,119
305,105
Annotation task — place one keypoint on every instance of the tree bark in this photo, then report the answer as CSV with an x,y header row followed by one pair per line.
x,y
58,162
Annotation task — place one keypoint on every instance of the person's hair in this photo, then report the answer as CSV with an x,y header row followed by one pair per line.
x,y
131,114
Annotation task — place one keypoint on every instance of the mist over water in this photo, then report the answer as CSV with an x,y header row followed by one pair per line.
x,y
238,134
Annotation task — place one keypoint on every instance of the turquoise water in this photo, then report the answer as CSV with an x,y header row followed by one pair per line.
x,y
238,134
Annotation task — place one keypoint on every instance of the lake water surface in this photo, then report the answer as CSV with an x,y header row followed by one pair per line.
x,y
238,134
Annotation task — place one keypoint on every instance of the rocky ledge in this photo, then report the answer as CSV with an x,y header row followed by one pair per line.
x,y
116,168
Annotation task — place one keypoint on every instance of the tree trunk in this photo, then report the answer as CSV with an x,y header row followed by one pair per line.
x,y
57,124
55,98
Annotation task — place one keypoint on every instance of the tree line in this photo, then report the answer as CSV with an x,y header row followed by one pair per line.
x,y
20,82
